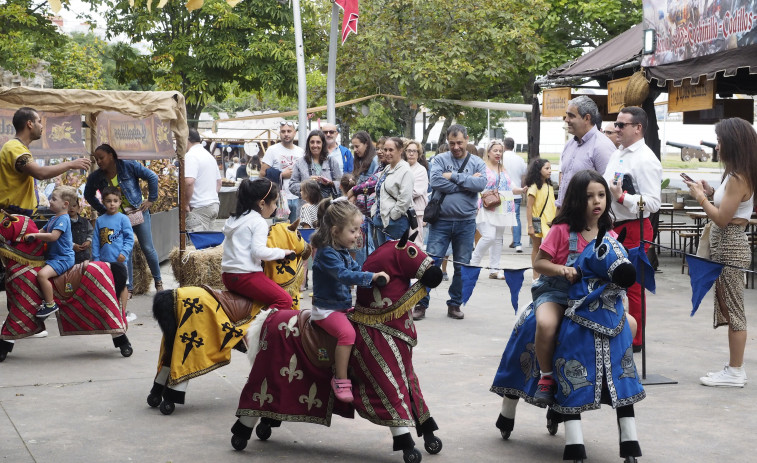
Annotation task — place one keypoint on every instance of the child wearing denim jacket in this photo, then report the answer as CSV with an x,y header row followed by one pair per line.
x,y
334,271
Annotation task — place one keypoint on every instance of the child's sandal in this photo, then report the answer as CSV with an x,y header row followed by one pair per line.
x,y
342,389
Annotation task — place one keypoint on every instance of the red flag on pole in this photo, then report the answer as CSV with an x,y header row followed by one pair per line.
x,y
349,21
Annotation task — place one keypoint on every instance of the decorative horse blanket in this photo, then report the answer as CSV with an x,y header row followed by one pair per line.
x,y
593,349
206,333
86,296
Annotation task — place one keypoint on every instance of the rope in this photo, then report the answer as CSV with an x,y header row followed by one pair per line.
x,y
678,251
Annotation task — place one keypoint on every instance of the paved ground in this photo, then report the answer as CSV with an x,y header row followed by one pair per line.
x,y
71,399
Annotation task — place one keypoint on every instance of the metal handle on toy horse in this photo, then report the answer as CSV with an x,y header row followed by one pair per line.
x,y
380,281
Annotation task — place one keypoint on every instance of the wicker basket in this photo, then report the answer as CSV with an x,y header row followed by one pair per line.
x,y
637,89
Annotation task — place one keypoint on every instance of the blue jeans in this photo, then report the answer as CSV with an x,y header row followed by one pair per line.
x,y
516,229
368,244
395,229
143,233
294,209
460,234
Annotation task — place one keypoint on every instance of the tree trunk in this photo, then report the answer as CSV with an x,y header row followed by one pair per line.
x,y
443,134
529,92
430,123
193,114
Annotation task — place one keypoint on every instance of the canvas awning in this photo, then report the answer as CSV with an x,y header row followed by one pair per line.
x,y
621,52
167,106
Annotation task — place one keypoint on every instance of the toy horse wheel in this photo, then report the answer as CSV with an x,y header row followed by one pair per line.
x,y
630,459
552,422
433,445
505,434
167,407
126,350
412,456
238,442
263,430
153,400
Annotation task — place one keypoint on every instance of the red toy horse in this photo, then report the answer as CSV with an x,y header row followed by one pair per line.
x,y
87,294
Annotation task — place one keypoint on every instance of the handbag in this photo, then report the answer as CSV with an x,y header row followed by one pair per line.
x,y
327,191
434,207
135,215
703,250
412,216
536,221
490,198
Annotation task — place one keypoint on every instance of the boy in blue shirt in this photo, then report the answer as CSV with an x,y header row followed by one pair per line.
x,y
113,238
59,257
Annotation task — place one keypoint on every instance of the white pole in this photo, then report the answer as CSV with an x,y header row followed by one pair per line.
x,y
488,128
302,90
331,74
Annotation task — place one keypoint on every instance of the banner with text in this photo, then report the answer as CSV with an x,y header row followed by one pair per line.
x,y
555,101
148,138
687,29
61,134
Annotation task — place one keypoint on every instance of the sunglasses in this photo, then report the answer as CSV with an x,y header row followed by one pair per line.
x,y
289,123
329,132
609,132
620,125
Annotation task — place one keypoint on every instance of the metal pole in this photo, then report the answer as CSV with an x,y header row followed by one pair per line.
x,y
331,74
643,293
302,91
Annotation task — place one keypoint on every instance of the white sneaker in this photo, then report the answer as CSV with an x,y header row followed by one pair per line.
x,y
130,316
41,334
727,377
726,365
518,248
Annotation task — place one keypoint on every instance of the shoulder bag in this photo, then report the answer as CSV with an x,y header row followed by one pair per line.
x,y
412,216
434,207
536,221
490,198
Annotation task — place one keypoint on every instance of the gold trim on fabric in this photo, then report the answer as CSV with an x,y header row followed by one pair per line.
x,y
369,316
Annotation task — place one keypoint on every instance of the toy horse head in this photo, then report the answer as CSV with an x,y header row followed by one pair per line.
x,y
289,272
13,228
402,260
608,261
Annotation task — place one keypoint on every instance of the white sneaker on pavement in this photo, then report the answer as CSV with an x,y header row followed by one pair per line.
x,y
725,365
41,334
518,248
727,377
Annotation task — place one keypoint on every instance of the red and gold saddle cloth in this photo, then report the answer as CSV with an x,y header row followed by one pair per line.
x,y
86,296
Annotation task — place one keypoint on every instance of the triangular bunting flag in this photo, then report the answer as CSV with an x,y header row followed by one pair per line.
x,y
349,21
703,274
469,276
514,280
639,259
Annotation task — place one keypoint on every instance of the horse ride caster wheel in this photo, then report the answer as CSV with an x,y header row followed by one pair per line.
x,y
153,400
126,351
263,430
433,445
412,456
167,407
630,460
238,442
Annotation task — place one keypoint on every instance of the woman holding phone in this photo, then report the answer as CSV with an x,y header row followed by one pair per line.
x,y
733,202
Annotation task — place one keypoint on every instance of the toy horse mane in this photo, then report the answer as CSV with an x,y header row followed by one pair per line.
x,y
13,228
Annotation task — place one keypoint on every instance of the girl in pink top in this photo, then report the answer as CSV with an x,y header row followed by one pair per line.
x,y
584,211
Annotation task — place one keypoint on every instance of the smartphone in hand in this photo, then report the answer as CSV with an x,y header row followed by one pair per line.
x,y
687,178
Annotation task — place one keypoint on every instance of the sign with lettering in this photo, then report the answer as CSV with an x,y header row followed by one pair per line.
x,y
616,94
555,101
61,134
689,97
723,109
148,138
687,29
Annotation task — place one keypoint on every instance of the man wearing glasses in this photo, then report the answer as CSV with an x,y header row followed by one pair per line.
x,y
342,154
277,165
609,130
587,149
633,172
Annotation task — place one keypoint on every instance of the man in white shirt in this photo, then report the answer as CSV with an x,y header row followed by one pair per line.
x,y
277,165
202,182
641,178
342,154
516,168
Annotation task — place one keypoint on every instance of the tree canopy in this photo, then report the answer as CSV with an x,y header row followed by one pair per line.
x,y
26,34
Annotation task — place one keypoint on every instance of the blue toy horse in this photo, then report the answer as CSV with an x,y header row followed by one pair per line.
x,y
593,359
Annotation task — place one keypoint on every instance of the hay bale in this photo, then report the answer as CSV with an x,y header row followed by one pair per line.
x,y
637,89
201,267
142,275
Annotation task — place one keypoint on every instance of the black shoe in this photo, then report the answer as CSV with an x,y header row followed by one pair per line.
x,y
636,349
545,391
512,245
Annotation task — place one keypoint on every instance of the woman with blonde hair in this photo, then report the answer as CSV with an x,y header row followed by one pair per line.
x,y
733,202
415,157
491,221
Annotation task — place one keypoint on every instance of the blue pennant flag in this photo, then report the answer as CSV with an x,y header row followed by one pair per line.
x,y
514,280
703,274
469,276
639,259
206,239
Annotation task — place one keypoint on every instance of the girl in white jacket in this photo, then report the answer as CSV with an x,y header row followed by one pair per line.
x,y
244,245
